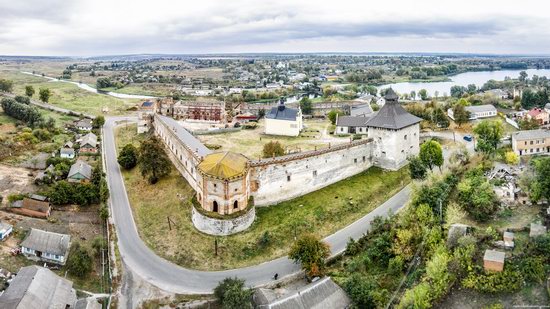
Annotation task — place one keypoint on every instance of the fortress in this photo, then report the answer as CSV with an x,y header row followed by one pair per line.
x,y
229,185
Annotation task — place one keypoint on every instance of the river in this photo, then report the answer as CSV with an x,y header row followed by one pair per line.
x,y
94,90
463,79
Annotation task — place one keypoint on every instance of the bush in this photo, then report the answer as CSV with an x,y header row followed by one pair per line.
x,y
128,157
509,280
532,269
360,291
80,262
232,294
98,244
273,149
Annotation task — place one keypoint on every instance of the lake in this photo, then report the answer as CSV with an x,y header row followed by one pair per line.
x,y
463,79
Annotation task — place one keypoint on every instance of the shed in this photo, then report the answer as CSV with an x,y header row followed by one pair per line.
x,y
493,260
508,238
34,206
537,229
5,230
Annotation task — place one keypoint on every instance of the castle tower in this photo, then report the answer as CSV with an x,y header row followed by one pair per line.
x,y
396,134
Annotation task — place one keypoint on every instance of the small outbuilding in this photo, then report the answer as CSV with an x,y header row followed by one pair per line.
x,y
5,230
36,206
537,229
84,124
494,260
67,153
508,238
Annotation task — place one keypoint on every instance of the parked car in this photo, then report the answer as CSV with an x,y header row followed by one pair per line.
x,y
468,138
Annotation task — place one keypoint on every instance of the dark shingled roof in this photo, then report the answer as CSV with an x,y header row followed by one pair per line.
x,y
392,116
391,95
353,121
282,112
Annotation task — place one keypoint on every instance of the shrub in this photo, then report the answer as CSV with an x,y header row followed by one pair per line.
x,y
360,291
128,157
232,294
532,269
273,149
509,280
80,262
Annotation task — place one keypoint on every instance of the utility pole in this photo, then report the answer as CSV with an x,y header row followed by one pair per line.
x,y
169,224
216,246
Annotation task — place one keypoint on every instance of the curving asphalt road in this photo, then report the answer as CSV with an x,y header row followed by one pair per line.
x,y
176,279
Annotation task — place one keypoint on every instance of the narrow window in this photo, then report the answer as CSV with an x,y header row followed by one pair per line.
x,y
235,205
405,136
215,207
288,178
355,160
314,173
364,159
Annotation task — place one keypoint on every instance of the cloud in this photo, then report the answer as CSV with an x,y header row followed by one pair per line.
x,y
85,27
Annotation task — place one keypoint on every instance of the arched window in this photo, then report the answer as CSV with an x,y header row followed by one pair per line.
x,y
235,205
215,207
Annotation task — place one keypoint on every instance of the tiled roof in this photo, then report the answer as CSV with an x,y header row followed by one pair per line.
x,y
224,165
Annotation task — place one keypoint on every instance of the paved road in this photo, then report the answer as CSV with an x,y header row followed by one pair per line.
x,y
172,278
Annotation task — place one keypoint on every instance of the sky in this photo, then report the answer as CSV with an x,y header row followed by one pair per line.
x,y
113,27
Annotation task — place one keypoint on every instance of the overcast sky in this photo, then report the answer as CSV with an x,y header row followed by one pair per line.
x,y
107,27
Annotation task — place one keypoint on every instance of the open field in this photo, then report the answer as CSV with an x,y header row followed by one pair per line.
x,y
250,142
322,212
69,96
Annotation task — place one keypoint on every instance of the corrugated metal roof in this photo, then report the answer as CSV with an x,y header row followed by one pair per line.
x,y
187,138
38,287
352,121
480,108
45,241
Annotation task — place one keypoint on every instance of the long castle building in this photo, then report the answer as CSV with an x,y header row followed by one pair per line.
x,y
229,185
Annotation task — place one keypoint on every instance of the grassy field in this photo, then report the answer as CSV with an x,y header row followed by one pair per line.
x,y
250,142
69,95
322,212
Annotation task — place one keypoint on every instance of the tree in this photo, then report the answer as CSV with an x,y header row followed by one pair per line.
x,y
98,121
413,95
431,154
360,291
472,89
80,262
540,187
29,91
306,105
26,113
489,133
458,91
6,85
332,115
417,168
460,114
423,93
128,157
311,252
522,76
154,162
476,196
273,149
232,294
527,123
44,94
511,158
439,118
103,82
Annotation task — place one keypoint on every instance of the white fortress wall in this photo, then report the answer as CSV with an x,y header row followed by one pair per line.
x,y
283,178
180,152
392,148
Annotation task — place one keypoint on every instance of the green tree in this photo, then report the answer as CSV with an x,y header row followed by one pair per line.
x,y
540,187
528,124
44,94
311,252
332,115
360,291
80,262
273,149
423,93
439,118
460,114
431,154
154,162
476,196
232,294
306,105
29,91
128,157
489,133
98,121
458,91
6,85
417,168
61,193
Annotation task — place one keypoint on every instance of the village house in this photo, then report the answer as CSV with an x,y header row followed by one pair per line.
x,y
46,246
477,111
351,125
36,206
498,93
285,121
540,115
5,230
80,172
530,142
67,153
493,260
88,143
84,124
